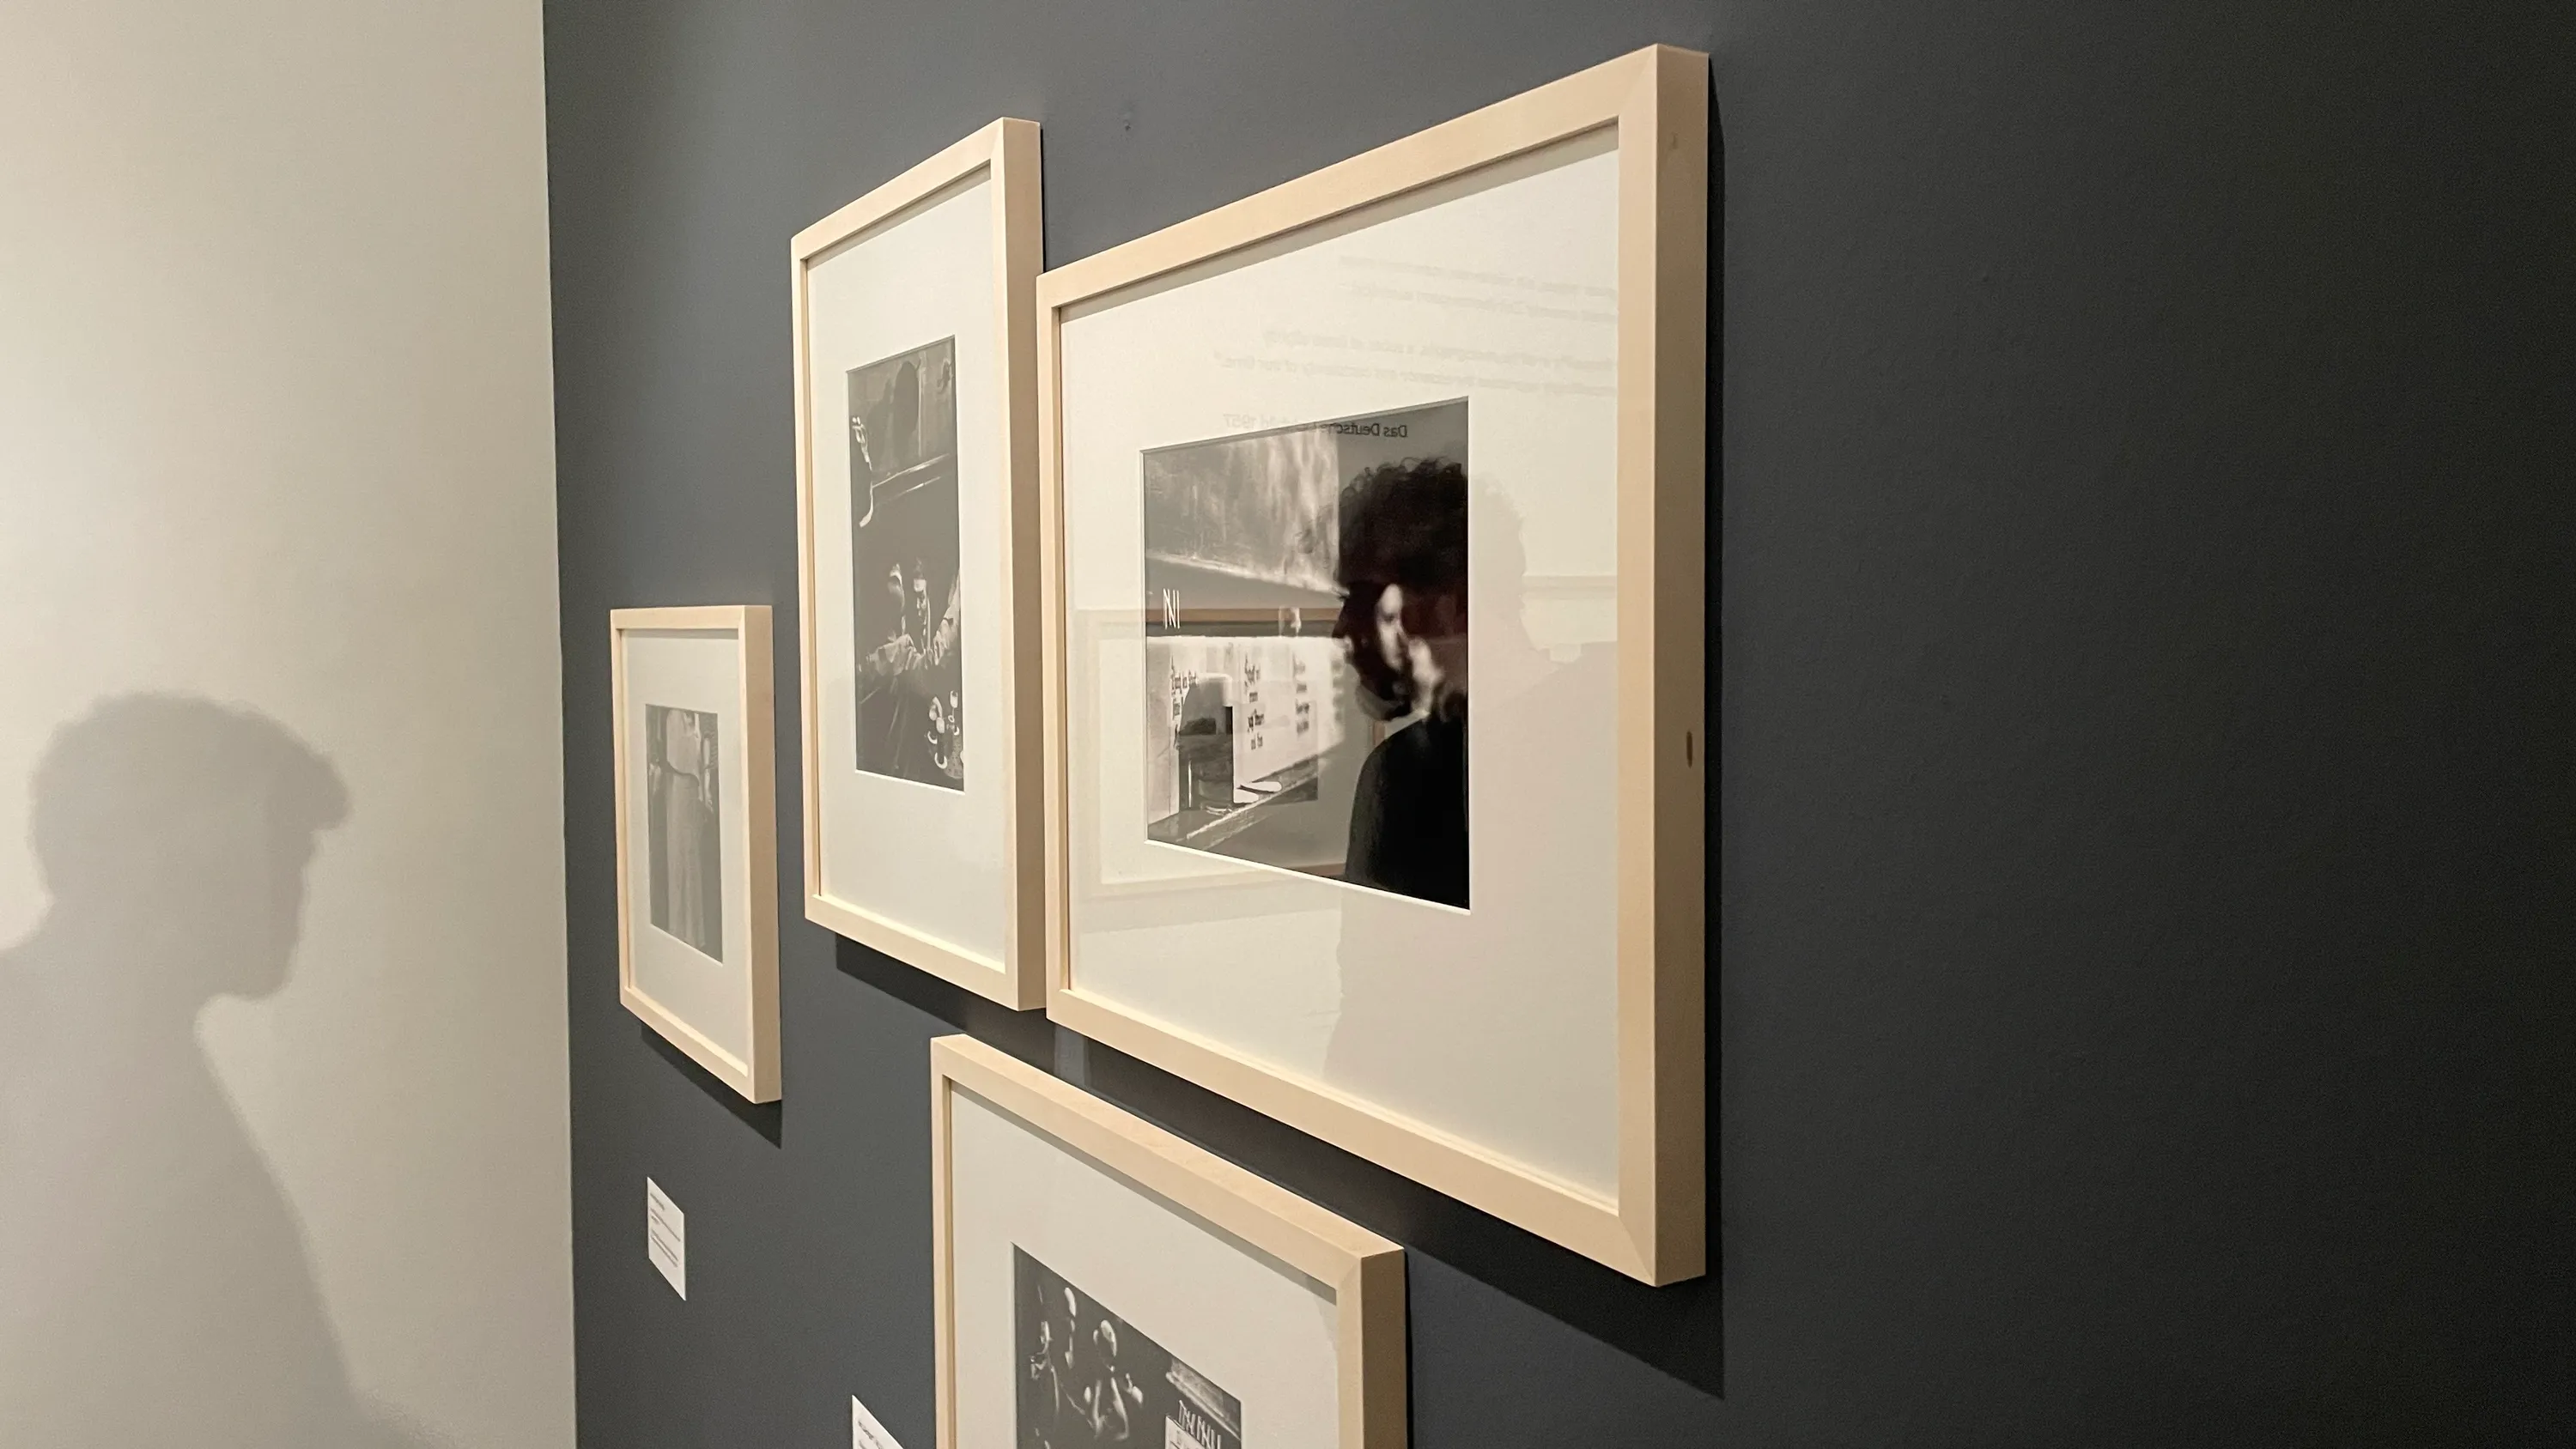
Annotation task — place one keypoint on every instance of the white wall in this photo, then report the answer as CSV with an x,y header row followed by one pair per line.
x,y
275,430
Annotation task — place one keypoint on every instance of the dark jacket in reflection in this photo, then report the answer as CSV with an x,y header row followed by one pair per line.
x,y
1409,816
1402,570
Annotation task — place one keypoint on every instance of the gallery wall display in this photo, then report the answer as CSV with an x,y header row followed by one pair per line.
x,y
697,835
1375,550
916,467
1100,1281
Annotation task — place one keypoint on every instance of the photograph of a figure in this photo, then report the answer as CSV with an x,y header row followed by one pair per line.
x,y
1087,1378
684,818
1306,649
903,552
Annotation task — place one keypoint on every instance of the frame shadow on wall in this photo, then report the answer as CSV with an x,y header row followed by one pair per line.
x,y
1027,1035
766,1118
1678,1331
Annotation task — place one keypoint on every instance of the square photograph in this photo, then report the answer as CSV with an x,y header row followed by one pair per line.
x,y
903,549
685,828
1306,649
1088,1378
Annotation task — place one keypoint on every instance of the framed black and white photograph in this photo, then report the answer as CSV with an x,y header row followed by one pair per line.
x,y
1102,1283
903,550
684,832
697,853
1306,646
916,504
1091,1378
1376,525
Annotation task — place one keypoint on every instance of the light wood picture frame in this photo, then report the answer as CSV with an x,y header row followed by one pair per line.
x,y
1009,967
718,1004
1651,1223
1363,1273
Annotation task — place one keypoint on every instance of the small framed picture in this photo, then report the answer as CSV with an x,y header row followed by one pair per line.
x,y
916,464
1376,538
1100,1281
697,835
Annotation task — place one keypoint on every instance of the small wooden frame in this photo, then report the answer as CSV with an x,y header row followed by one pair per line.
x,y
1654,1228
752,1072
1008,151
1364,1272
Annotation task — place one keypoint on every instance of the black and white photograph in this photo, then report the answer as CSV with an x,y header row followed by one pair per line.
x,y
1088,1378
1306,649
686,826
903,551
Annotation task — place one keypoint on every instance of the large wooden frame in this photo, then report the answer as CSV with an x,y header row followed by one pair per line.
x,y
1658,99
1009,150
757,1077
1365,1271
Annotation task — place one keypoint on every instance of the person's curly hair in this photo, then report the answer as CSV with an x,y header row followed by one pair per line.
x,y
1405,523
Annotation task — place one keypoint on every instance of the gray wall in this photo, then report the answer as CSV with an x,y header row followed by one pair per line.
x,y
2142,994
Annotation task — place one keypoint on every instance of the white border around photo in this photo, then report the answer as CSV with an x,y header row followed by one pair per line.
x,y
1539,1054
945,879
720,1009
1295,1316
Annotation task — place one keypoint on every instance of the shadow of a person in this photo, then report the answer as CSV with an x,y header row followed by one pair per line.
x,y
154,1284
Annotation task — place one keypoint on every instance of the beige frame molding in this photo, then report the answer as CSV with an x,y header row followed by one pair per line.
x,y
1658,99
1365,1271
757,1078
1008,149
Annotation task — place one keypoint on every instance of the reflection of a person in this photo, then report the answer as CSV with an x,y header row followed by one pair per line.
x,y
1403,576
154,1287
687,812
1409,1029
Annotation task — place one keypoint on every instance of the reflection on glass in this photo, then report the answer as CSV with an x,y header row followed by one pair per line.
x,y
1306,649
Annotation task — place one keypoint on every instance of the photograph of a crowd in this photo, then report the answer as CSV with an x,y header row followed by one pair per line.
x,y
1089,1379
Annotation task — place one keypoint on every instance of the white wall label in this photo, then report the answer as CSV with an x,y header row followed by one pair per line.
x,y
666,1238
865,1431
